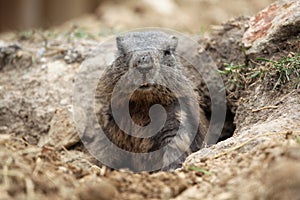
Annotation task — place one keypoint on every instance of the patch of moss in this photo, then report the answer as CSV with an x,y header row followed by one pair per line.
x,y
276,72
284,70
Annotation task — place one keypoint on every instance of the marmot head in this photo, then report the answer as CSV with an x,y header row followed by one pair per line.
x,y
147,53
150,59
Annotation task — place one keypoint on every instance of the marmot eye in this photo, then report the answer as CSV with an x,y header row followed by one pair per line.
x,y
167,52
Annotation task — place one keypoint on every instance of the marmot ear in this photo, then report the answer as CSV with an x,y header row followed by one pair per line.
x,y
173,43
120,45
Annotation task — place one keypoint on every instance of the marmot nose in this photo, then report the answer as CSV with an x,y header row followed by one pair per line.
x,y
144,68
144,63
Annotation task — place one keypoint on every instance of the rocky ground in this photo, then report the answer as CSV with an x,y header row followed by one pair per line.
x,y
41,156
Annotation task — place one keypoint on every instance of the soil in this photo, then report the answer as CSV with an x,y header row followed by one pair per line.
x,y
41,156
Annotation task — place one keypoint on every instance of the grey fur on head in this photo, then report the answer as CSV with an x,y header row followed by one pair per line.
x,y
135,41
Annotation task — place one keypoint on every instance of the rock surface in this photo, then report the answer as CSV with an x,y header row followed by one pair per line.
x,y
271,29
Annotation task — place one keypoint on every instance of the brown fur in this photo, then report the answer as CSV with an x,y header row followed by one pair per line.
x,y
168,72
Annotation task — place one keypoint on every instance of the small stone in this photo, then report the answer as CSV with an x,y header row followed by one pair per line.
x,y
44,67
63,102
3,129
95,170
63,132
283,180
5,137
191,193
96,189
225,196
166,193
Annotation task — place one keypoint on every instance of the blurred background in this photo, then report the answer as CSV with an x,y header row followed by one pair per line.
x,y
188,15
